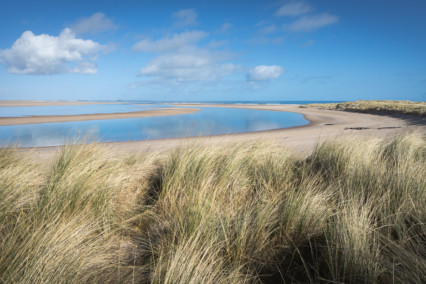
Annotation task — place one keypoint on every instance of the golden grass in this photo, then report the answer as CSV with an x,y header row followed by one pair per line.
x,y
248,213
377,106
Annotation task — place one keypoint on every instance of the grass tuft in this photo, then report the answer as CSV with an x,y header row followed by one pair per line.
x,y
352,212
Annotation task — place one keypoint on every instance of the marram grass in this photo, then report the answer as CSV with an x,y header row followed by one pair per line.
x,y
352,212
377,106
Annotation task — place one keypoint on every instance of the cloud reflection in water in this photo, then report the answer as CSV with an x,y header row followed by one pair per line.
x,y
208,121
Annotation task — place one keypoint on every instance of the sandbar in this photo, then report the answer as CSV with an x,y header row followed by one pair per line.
x,y
300,141
100,116
16,103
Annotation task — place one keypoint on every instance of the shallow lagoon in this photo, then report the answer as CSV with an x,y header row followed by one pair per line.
x,y
74,109
208,121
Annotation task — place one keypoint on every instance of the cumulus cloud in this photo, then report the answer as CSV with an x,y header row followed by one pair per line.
x,y
312,23
264,73
46,54
197,65
185,18
192,57
175,42
294,9
97,23
182,59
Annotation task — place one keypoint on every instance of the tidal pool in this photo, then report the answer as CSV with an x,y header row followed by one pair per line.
x,y
208,121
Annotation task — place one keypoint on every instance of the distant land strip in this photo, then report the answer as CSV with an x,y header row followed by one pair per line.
x,y
18,103
376,107
66,118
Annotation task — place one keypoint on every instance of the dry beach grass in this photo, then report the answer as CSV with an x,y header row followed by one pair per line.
x,y
377,106
352,211
219,210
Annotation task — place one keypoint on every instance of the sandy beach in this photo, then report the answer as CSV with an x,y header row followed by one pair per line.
x,y
67,118
324,124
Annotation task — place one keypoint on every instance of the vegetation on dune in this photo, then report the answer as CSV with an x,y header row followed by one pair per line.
x,y
352,212
377,106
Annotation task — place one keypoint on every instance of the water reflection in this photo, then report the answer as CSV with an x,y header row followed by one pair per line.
x,y
208,121
74,109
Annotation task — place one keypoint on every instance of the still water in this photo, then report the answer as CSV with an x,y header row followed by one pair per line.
x,y
74,109
208,121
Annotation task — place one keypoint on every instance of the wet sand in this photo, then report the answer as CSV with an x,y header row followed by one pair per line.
x,y
67,118
324,124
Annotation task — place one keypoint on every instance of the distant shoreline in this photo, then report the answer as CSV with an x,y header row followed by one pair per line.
x,y
26,103
4,121
19,103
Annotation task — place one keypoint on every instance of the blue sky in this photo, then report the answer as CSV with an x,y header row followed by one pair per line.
x,y
213,50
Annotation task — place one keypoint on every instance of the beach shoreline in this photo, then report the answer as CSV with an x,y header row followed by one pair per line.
x,y
300,140
23,103
99,116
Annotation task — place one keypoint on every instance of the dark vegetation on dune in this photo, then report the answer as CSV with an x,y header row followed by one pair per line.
x,y
377,107
352,212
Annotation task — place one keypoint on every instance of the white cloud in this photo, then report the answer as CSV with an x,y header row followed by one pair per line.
x,y
312,23
294,9
185,18
264,72
46,54
94,24
181,59
191,57
176,42
196,65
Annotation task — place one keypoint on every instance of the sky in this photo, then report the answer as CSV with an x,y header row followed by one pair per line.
x,y
209,50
